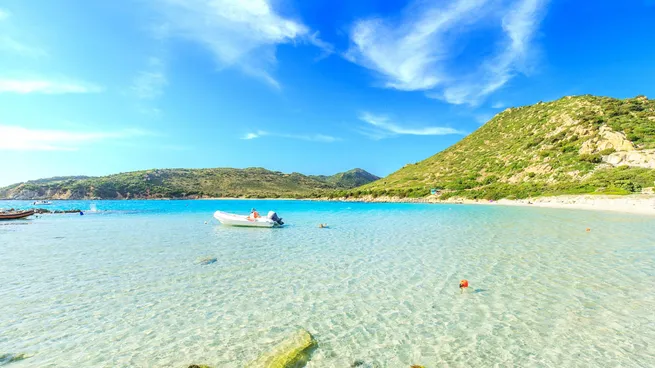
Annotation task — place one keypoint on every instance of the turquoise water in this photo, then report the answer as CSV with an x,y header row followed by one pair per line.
x,y
121,287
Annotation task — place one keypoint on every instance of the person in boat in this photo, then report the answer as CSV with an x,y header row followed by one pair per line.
x,y
254,214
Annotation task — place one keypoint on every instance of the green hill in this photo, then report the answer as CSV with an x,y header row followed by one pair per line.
x,y
349,179
188,183
582,144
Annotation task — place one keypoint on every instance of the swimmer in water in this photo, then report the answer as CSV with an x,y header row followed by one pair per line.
x,y
464,284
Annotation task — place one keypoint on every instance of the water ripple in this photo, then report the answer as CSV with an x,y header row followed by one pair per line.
x,y
380,286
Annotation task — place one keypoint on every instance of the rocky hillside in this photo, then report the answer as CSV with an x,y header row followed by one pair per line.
x,y
349,179
581,144
188,183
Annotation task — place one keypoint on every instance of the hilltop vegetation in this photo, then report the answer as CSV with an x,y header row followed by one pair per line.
x,y
188,183
582,144
349,179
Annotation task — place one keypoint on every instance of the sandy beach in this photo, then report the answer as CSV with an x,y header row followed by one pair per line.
x,y
637,203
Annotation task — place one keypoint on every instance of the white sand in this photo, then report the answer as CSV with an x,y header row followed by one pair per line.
x,y
637,203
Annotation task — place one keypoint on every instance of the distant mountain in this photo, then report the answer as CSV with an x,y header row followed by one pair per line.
x,y
187,183
349,179
582,144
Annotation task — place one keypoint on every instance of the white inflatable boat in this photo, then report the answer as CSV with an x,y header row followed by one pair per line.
x,y
231,219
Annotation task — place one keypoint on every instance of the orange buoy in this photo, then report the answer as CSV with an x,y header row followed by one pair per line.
x,y
588,229
464,284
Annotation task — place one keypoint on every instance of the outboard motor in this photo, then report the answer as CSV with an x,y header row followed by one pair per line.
x,y
273,216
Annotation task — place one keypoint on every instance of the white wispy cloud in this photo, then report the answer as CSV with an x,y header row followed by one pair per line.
x,y
254,135
381,126
17,138
409,55
150,83
417,52
153,112
4,14
46,86
519,26
239,33
11,45
303,137
498,105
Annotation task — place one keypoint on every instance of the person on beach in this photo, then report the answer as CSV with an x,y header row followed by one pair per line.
x,y
254,214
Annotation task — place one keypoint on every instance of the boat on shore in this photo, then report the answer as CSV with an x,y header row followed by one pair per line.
x,y
230,219
14,215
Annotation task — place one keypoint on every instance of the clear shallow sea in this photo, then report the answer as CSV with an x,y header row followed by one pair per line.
x,y
121,288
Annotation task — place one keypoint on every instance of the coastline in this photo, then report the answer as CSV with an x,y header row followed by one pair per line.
x,y
643,204
636,204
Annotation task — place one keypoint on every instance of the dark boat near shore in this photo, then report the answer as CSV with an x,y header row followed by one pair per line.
x,y
13,215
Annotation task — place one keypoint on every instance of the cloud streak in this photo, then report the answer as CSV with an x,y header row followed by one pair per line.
x,y
519,26
418,52
239,33
381,126
149,84
13,46
16,138
46,86
303,137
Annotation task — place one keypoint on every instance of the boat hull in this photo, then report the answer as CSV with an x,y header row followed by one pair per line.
x,y
230,219
16,215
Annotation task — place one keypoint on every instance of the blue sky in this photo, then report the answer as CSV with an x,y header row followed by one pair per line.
x,y
318,87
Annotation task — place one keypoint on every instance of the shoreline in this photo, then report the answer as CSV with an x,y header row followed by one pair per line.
x,y
643,204
634,204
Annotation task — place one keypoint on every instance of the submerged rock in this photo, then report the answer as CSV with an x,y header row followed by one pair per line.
x,y
295,351
206,260
10,358
362,364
